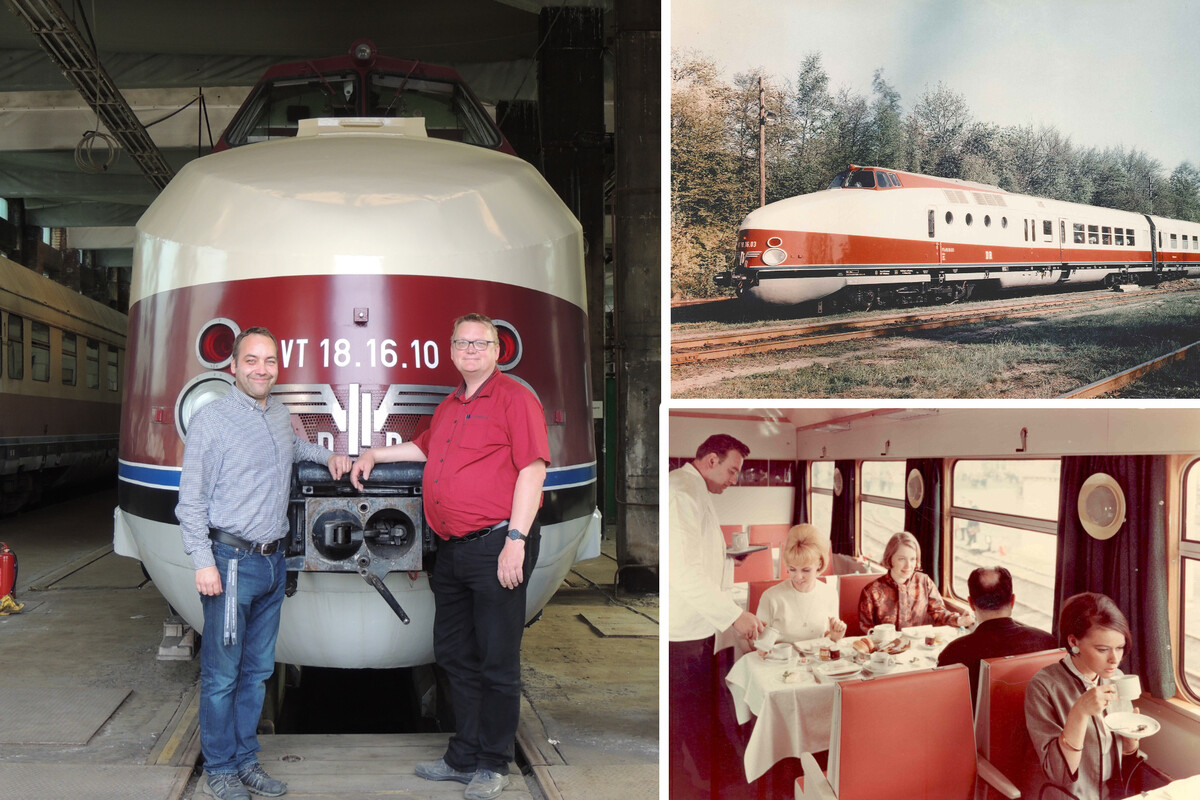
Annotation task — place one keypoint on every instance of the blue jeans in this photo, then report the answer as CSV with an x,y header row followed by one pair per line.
x,y
233,677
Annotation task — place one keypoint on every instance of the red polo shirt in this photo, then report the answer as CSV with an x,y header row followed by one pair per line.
x,y
474,450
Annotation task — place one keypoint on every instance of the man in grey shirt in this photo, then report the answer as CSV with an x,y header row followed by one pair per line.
x,y
233,496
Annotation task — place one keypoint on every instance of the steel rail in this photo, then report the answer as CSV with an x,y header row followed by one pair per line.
x,y
1114,382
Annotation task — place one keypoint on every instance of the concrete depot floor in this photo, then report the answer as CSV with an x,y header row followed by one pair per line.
x,y
590,709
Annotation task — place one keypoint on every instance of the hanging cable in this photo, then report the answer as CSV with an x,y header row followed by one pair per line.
x,y
86,155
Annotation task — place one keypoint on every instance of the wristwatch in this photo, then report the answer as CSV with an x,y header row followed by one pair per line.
x,y
513,533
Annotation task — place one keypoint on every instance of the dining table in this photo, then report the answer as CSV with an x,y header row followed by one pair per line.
x,y
1182,789
793,714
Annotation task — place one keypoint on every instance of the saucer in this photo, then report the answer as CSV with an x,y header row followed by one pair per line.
x,y
1126,723
880,669
839,670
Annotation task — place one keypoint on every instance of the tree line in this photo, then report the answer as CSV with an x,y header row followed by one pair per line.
x,y
817,131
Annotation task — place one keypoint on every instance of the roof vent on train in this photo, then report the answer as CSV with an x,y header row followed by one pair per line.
x,y
214,345
510,345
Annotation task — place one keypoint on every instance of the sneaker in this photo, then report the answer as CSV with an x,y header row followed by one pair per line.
x,y
441,771
255,778
225,787
485,785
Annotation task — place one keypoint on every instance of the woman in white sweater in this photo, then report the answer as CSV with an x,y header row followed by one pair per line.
x,y
803,607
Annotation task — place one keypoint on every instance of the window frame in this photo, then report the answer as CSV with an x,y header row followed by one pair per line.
x,y
1189,551
15,347
74,357
876,499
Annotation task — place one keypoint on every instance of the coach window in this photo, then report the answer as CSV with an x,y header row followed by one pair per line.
x,y
1185,241
1027,230
1189,600
882,506
1093,234
93,364
68,359
931,223
1004,222
969,218
987,220
16,347
821,495
1005,512
1129,236
1077,232
1174,242
1106,235
949,217
1048,230
111,372
39,351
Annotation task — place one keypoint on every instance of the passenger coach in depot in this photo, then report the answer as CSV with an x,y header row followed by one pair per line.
x,y
1077,504
357,240
883,236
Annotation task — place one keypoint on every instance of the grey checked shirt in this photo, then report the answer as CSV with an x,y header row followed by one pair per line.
x,y
237,471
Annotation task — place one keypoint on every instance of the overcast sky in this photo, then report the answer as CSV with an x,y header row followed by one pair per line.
x,y
1106,73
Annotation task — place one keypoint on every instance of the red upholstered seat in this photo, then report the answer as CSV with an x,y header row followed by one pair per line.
x,y
907,737
773,535
1000,732
756,567
849,591
756,592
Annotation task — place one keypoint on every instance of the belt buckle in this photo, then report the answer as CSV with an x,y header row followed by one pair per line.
x,y
267,548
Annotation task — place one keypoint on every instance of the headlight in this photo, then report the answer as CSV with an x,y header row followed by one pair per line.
x,y
197,393
214,344
773,256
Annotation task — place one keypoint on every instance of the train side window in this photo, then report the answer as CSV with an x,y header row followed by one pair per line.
x,y
39,351
987,220
16,347
93,364
1004,222
895,179
1189,596
69,343
1174,242
1005,512
1048,230
1106,235
1160,240
949,217
820,495
931,223
1027,230
1129,236
1062,231
1185,243
1093,234
882,505
1119,236
1077,232
111,371
969,219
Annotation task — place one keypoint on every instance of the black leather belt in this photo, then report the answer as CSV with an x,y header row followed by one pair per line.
x,y
479,534
218,535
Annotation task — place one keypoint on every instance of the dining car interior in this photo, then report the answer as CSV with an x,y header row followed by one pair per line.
x,y
942,603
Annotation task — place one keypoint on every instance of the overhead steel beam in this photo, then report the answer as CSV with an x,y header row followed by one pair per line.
x,y
62,41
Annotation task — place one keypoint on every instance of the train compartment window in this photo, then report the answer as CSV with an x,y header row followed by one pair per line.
x,y
111,369
93,364
821,495
1189,596
69,372
882,505
1106,235
1185,243
1119,236
1077,232
1174,241
16,347
931,223
39,351
1047,230
1005,512
1093,234
1027,230
1129,236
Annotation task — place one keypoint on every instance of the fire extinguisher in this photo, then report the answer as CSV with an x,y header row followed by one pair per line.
x,y
8,570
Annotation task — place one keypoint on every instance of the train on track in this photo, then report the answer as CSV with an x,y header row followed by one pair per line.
x,y
885,237
357,240
61,361
1067,500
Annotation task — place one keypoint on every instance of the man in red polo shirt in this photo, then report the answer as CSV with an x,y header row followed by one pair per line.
x,y
486,453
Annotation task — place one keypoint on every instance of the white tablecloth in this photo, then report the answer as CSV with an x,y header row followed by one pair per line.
x,y
795,718
1182,789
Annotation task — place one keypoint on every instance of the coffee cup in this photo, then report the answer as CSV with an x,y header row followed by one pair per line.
x,y
882,660
741,540
1129,687
784,651
767,639
883,633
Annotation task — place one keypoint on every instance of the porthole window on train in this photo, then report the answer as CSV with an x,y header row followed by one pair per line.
x,y
949,217
987,220
39,351
93,364
16,347
882,509
1077,229
1004,222
1005,513
821,495
68,359
1189,597
968,219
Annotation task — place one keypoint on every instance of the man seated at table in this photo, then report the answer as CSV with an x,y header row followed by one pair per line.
x,y
991,597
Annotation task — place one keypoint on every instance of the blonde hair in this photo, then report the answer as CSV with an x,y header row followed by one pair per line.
x,y
901,539
805,545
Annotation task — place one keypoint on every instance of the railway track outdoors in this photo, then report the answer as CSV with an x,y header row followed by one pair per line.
x,y
693,351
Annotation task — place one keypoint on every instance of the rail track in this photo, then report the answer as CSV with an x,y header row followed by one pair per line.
x,y
694,348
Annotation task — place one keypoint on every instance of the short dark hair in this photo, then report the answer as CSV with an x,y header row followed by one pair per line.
x,y
1082,612
482,319
721,444
990,588
255,330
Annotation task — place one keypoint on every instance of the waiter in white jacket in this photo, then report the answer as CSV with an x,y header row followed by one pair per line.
x,y
701,606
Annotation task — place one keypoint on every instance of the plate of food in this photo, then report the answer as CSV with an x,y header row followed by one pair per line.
x,y
1130,725
839,670
795,676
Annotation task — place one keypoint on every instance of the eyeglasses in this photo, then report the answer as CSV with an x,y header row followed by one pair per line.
x,y
475,344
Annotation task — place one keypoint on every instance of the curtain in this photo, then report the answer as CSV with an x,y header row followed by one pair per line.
x,y
800,493
1126,567
842,525
925,521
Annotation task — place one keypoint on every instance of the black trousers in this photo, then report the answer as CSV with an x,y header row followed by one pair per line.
x,y
477,630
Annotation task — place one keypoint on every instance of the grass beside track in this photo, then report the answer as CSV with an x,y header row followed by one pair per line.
x,y
1037,358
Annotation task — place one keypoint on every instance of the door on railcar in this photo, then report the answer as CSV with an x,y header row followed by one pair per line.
x,y
932,217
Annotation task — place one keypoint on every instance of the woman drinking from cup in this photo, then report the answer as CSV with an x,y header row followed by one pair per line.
x,y
905,597
803,607
1065,703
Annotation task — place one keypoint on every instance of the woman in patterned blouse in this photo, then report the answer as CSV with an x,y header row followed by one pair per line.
x,y
905,597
